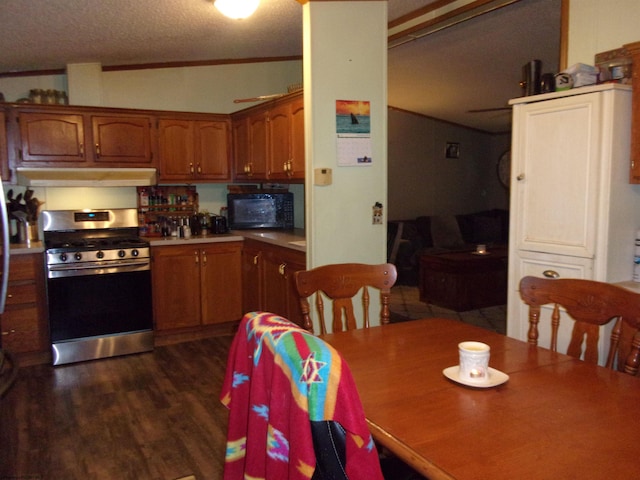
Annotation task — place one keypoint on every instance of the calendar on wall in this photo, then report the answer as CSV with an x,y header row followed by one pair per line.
x,y
353,132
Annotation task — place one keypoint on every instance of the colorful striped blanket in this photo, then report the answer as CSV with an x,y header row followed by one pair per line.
x,y
279,378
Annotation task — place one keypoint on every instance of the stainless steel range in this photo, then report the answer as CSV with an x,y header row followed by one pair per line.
x,y
98,284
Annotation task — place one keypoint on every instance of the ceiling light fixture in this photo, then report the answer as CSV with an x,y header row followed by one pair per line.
x,y
237,8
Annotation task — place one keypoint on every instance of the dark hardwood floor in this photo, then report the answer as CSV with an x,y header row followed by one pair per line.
x,y
148,416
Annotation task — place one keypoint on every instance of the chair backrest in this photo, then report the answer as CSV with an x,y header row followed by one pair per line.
x,y
590,304
294,409
341,283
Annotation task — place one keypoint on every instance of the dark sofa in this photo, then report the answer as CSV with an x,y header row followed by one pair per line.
x,y
408,239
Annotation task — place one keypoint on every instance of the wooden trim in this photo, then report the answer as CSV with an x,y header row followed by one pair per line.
x,y
564,35
420,12
450,16
146,66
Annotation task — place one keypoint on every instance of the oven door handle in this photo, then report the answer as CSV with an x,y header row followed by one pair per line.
x,y
84,269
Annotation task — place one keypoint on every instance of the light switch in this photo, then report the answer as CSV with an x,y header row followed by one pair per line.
x,y
322,176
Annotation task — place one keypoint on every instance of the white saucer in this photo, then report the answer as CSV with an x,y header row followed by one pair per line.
x,y
496,377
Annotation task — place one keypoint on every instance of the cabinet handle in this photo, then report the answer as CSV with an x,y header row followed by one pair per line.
x,y
204,257
199,169
256,258
81,149
551,274
4,334
281,268
97,149
197,257
520,177
191,168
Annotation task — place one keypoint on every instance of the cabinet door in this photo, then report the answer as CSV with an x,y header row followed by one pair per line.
x,y
556,163
252,277
296,168
212,158
176,140
279,142
125,140
240,130
23,324
51,137
221,282
280,294
4,160
258,146
175,274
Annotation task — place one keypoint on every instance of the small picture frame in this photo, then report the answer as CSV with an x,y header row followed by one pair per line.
x,y
452,150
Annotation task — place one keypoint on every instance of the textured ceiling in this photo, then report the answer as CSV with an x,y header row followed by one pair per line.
x,y
475,64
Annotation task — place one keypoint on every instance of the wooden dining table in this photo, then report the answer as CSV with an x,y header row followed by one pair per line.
x,y
554,418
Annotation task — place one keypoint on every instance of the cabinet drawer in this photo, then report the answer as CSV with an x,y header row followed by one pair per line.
x,y
21,330
24,267
21,294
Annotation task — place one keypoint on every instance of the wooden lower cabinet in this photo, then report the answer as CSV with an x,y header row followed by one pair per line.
x,y
24,324
268,279
196,285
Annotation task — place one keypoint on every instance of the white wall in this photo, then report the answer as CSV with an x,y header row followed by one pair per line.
x,y
423,182
344,59
597,26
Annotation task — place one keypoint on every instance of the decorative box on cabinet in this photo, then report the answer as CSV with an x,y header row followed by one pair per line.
x,y
573,211
196,285
268,279
23,324
194,149
269,141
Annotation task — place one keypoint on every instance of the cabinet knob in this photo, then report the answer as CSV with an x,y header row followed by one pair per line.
x,y
551,274
520,177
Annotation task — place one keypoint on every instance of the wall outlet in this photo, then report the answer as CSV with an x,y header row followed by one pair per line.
x,y
377,214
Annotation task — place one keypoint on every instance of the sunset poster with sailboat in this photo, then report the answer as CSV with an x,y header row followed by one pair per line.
x,y
353,128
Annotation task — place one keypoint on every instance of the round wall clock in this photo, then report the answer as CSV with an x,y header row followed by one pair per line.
x,y
504,168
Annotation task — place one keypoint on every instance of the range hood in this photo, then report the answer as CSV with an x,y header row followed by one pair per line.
x,y
86,177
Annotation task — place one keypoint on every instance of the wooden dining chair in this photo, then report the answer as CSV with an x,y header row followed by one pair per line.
x,y
340,283
590,304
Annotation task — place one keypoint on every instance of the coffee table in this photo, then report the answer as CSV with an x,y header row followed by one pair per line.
x,y
464,281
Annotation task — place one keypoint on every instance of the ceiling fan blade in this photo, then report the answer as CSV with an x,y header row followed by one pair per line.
x,y
483,110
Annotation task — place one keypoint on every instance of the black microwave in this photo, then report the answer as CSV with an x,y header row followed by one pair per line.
x,y
260,210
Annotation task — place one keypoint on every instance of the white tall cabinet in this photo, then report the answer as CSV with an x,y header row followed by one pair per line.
x,y
573,211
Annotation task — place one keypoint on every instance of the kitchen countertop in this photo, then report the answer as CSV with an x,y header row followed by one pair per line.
x,y
294,239
26,248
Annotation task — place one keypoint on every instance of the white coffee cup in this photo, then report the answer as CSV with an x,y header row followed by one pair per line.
x,y
474,361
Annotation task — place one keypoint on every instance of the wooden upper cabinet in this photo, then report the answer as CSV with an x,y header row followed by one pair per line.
x,y
125,140
269,141
287,159
194,150
4,159
212,152
51,137
63,136
258,145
